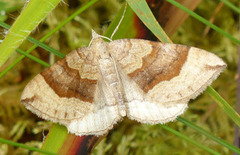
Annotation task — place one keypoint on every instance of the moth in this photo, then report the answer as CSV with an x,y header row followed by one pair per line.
x,y
94,87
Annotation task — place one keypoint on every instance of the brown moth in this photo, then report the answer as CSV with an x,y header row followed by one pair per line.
x,y
92,88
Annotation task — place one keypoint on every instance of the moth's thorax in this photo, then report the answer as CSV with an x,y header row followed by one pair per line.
x,y
99,46
109,73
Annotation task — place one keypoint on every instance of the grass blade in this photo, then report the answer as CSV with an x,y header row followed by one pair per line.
x,y
189,139
26,147
40,44
33,13
224,105
209,135
33,58
229,4
145,14
193,14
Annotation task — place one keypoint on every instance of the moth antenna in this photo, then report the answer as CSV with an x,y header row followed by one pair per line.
x,y
95,35
120,21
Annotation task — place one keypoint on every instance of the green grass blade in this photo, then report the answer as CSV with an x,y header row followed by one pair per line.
x,y
40,44
224,105
46,47
209,135
193,14
126,28
83,8
145,14
55,138
26,147
189,139
15,62
33,13
229,4
33,58
4,25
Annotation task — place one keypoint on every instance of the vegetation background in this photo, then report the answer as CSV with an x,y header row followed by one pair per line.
x,y
128,137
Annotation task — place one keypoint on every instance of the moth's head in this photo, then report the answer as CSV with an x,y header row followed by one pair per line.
x,y
98,45
96,36
97,42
